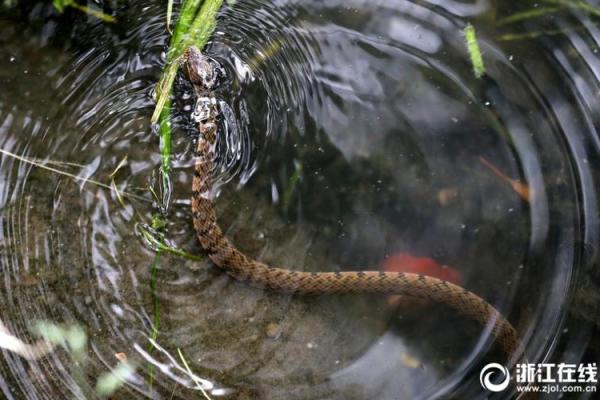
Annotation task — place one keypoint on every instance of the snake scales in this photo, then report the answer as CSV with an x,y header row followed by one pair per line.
x,y
203,76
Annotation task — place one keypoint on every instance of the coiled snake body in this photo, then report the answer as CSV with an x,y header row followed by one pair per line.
x,y
202,74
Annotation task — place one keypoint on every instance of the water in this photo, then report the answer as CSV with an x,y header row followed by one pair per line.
x,y
354,131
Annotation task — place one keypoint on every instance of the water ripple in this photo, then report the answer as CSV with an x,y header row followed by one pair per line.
x,y
352,131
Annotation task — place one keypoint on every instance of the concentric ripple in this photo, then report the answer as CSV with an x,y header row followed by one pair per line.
x,y
354,133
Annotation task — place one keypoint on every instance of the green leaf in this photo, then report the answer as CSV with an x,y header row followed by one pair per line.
x,y
61,4
72,336
110,381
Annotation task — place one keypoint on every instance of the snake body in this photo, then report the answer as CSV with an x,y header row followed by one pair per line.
x,y
225,255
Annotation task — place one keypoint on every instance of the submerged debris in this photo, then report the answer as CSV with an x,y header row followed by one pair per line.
x,y
519,187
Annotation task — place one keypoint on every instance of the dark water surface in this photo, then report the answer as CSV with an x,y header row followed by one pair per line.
x,y
355,131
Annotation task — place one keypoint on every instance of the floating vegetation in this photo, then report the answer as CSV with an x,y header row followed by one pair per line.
x,y
474,51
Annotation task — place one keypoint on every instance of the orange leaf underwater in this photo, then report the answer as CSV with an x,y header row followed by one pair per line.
x,y
405,262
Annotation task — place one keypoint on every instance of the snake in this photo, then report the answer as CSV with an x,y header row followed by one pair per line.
x,y
204,78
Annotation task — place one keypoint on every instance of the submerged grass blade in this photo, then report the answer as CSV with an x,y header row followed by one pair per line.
x,y
113,183
474,51
266,53
529,14
68,174
508,37
165,138
579,4
291,186
169,14
189,370
60,6
95,13
155,313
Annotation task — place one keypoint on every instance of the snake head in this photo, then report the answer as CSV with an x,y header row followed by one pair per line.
x,y
201,70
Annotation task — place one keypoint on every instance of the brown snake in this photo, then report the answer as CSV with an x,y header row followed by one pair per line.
x,y
224,254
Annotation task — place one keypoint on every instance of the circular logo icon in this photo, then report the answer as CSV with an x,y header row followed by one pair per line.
x,y
491,370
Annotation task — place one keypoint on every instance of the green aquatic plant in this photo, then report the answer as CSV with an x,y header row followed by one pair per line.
x,y
60,6
196,23
194,26
474,51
